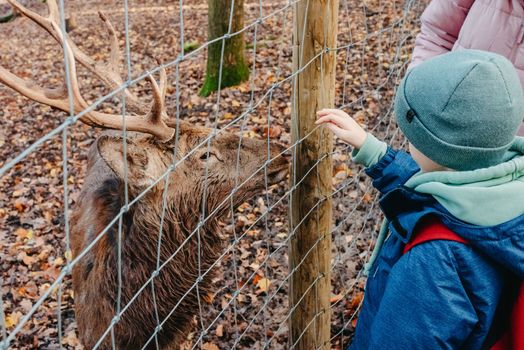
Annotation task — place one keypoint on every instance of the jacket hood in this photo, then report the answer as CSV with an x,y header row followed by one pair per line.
x,y
486,206
484,197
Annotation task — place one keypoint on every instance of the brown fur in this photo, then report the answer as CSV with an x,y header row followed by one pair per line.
x,y
95,276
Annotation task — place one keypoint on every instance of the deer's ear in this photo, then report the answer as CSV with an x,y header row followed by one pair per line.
x,y
111,149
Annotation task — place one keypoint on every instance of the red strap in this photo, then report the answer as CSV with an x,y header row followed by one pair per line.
x,y
431,229
513,339
517,320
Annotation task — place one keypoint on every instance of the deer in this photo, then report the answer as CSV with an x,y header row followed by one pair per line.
x,y
175,224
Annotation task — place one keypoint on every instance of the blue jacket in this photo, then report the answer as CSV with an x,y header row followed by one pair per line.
x,y
441,294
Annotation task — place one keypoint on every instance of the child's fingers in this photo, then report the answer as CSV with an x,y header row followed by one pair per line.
x,y
323,120
323,112
335,119
338,112
339,132
333,127
328,119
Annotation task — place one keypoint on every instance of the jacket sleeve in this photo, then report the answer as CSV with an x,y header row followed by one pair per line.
x,y
433,298
387,167
441,24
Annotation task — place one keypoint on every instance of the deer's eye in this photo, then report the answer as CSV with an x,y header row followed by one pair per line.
x,y
208,155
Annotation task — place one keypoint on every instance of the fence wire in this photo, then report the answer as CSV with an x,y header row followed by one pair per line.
x,y
43,155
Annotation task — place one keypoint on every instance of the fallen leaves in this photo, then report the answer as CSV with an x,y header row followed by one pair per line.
x,y
209,346
32,239
335,298
271,131
263,285
26,305
12,319
208,298
219,332
356,300
71,339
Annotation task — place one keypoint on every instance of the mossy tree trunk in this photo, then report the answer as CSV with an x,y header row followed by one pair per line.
x,y
234,66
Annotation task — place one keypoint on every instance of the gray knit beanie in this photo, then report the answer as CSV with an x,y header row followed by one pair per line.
x,y
461,109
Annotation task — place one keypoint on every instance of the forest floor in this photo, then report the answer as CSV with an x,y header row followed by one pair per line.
x,y
374,43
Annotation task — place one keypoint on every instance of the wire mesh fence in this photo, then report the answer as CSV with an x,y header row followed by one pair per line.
x,y
186,245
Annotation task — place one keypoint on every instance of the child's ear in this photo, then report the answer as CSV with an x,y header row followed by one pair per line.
x,y
111,149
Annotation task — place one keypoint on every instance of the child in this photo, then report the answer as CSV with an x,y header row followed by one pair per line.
x,y
464,184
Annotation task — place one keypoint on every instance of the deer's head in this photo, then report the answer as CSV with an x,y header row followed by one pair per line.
x,y
198,164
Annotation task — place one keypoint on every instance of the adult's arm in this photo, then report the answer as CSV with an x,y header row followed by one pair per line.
x,y
441,24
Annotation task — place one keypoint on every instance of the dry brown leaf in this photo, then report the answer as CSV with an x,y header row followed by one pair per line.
x,y
263,285
208,298
12,320
26,305
220,331
353,194
354,322
26,259
356,300
71,339
273,131
335,298
68,255
19,206
256,279
209,346
21,232
228,116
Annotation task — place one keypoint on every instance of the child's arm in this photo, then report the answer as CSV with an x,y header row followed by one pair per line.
x,y
387,167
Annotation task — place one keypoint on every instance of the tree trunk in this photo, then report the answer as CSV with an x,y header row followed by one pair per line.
x,y
234,66
310,221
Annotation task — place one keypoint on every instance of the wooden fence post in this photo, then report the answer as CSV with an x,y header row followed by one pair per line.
x,y
310,213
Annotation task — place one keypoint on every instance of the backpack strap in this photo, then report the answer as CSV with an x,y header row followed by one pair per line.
x,y
513,338
431,229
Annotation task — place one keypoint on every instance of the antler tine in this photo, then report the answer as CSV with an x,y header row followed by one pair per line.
x,y
109,75
114,60
158,109
151,123
112,69
51,97
163,81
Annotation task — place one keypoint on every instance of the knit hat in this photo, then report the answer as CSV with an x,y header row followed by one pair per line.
x,y
461,109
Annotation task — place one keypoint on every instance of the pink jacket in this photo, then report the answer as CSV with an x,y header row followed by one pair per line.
x,y
491,25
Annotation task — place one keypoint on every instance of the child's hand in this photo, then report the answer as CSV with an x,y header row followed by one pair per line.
x,y
342,125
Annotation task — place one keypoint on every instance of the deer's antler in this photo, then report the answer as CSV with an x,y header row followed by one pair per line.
x,y
149,121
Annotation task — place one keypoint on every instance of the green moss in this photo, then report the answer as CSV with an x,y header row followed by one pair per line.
x,y
231,76
191,46
228,52
7,17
